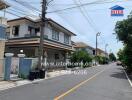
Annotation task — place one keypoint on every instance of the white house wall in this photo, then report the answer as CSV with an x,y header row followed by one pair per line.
x,y
48,31
23,30
89,51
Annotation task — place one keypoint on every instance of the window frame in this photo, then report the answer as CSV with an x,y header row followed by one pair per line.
x,y
66,38
14,30
55,34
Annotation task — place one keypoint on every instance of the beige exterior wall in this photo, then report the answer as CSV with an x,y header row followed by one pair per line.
x,y
2,47
100,53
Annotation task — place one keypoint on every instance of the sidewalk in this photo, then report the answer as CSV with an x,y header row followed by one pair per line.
x,y
10,84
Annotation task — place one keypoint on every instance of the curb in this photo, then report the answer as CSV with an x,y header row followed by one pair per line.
x,y
130,82
29,82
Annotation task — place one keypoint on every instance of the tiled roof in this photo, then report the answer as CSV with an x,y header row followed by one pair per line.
x,y
49,20
82,45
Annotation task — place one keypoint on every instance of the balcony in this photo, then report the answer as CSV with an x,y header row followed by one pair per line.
x,y
35,35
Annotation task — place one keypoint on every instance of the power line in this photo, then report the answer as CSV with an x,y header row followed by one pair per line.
x,y
20,10
12,13
85,4
31,15
27,5
92,21
69,23
69,8
88,15
85,16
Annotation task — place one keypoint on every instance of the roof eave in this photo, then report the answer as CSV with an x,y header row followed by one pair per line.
x,y
62,27
3,5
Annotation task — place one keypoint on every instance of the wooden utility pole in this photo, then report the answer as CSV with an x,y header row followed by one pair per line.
x,y
41,46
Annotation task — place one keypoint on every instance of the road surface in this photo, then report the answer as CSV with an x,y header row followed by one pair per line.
x,y
99,83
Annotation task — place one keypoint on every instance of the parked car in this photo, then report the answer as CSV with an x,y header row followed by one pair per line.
x,y
119,63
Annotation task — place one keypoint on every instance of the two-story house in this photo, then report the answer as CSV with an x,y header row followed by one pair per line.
x,y
24,36
83,46
102,53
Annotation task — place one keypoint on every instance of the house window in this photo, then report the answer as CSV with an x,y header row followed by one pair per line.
x,y
94,52
55,35
66,39
31,31
8,32
56,56
37,30
15,30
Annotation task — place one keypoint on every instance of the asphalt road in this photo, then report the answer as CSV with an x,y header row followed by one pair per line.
x,y
99,83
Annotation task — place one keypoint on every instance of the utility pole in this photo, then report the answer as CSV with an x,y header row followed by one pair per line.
x,y
41,46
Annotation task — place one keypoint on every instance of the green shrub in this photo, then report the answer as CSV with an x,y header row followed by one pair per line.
x,y
81,56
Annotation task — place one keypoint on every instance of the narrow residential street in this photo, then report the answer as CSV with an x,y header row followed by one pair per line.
x,y
100,83
70,50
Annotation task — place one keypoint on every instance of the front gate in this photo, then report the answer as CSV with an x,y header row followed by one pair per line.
x,y
17,66
14,68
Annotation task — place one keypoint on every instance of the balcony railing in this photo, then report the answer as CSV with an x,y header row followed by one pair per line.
x,y
35,35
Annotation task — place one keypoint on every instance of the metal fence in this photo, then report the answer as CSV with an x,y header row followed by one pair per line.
x,y
49,65
34,63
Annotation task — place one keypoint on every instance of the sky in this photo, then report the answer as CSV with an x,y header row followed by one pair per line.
x,y
84,21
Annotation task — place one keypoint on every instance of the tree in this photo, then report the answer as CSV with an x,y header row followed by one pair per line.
x,y
101,59
112,57
120,55
81,56
127,60
123,31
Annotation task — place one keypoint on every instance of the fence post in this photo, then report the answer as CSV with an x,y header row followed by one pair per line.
x,y
7,69
67,60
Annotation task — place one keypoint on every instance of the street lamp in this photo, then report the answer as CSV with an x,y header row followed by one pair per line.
x,y
96,53
106,56
106,45
98,34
